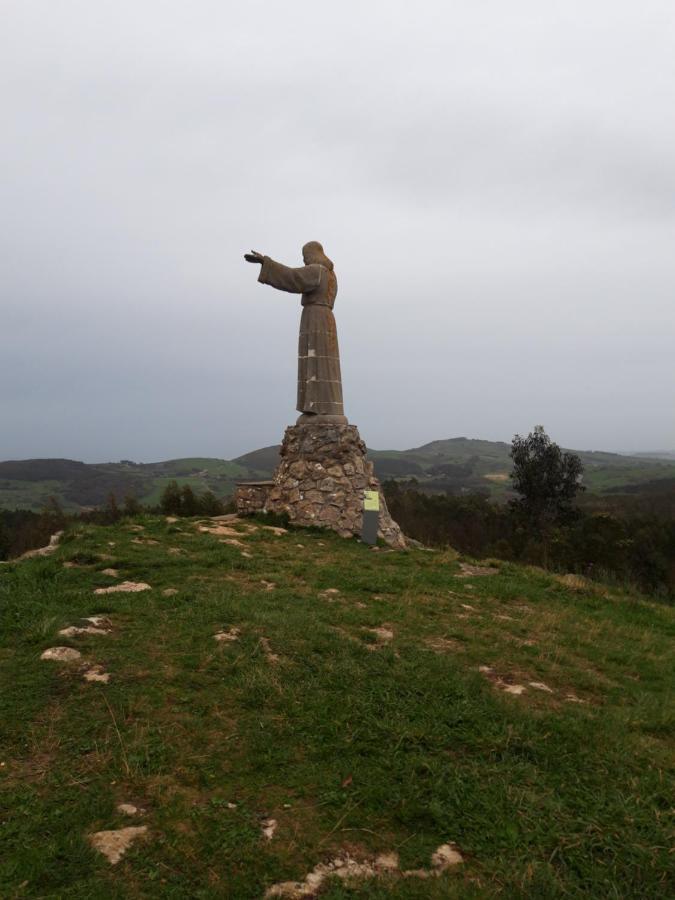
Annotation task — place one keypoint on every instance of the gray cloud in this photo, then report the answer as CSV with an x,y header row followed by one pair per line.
x,y
495,183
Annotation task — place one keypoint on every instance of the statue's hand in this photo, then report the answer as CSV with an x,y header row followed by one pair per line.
x,y
254,257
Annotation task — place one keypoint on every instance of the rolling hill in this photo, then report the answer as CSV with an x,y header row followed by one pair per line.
x,y
456,465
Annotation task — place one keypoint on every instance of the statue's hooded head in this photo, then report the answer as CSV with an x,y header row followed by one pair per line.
x,y
313,253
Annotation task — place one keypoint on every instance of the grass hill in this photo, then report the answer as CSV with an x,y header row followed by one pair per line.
x,y
458,465
279,704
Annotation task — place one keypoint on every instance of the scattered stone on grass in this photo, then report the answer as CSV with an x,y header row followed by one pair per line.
x,y
328,593
75,630
300,546
61,654
269,826
126,587
175,551
467,606
69,564
144,541
136,528
246,554
169,592
275,530
271,657
224,530
114,844
129,809
348,869
383,634
40,551
231,805
468,571
499,683
504,618
232,634
540,686
97,673
441,644
572,698
171,519
114,573
268,585
233,542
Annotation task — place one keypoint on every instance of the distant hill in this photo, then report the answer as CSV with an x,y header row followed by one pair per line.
x,y
457,465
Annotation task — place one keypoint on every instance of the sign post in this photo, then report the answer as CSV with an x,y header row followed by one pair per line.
x,y
371,517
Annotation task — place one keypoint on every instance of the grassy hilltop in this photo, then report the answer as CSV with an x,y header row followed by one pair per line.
x,y
359,707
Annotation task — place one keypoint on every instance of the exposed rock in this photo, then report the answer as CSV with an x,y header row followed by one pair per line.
x,y
348,869
128,809
445,857
269,826
61,654
75,630
469,571
114,844
169,592
540,686
231,634
54,541
268,585
97,673
114,573
126,587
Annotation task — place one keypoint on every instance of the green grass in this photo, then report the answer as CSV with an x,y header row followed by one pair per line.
x,y
349,744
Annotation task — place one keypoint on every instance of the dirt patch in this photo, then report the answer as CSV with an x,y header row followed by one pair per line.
x,y
61,654
126,587
114,844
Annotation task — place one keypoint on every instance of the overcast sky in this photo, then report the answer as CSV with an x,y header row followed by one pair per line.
x,y
495,182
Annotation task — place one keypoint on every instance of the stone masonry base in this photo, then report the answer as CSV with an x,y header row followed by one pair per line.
x,y
321,480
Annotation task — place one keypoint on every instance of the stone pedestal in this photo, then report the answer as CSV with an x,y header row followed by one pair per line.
x,y
321,479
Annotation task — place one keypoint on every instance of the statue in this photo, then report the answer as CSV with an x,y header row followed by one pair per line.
x,y
319,380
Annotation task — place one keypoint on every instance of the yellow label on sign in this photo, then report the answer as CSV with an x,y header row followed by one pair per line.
x,y
371,500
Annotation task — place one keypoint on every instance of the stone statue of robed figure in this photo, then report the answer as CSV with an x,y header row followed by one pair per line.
x,y
319,380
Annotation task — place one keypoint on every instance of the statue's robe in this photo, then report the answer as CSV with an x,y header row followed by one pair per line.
x,y
319,379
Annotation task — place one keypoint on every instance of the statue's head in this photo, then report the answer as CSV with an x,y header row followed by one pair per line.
x,y
313,253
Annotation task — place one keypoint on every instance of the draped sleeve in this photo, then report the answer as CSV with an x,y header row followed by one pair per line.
x,y
302,280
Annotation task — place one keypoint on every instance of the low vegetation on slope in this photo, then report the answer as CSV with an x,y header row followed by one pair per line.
x,y
253,712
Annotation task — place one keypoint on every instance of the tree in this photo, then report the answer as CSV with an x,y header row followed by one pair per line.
x,y
547,480
170,502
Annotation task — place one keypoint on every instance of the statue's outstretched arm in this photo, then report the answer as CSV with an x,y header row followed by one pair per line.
x,y
301,280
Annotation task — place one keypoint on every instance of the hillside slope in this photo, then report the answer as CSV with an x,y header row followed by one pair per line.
x,y
285,703
455,465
